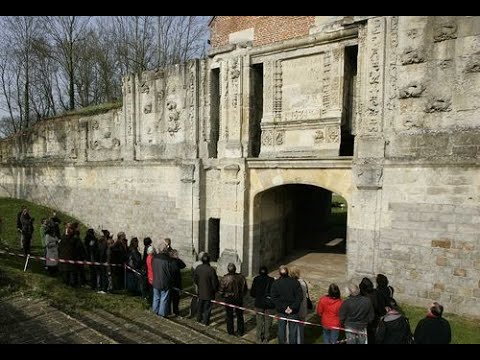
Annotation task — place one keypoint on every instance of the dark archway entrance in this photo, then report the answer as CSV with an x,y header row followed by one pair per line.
x,y
296,220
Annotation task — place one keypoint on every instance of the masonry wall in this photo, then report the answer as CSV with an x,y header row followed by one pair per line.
x,y
416,167
142,200
265,29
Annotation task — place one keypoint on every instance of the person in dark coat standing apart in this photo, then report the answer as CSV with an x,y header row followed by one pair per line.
x,y
287,295
433,329
233,287
261,292
205,277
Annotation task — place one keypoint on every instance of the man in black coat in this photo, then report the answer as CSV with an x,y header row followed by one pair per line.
x,y
261,292
287,295
233,287
433,329
205,277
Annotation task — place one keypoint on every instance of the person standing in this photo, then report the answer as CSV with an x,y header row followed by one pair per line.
x,y
51,249
91,248
302,311
194,301
328,309
287,296
393,327
205,277
19,225
433,329
163,269
233,287
26,222
355,314
260,291
178,264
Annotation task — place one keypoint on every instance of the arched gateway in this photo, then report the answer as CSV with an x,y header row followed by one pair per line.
x,y
290,211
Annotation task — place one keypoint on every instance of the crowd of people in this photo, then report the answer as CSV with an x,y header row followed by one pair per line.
x,y
368,315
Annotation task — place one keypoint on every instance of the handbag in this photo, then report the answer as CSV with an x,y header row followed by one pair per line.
x,y
309,302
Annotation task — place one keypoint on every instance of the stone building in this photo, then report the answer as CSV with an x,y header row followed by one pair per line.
x,y
239,153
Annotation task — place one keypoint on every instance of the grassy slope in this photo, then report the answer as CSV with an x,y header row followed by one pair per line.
x,y
9,235
36,283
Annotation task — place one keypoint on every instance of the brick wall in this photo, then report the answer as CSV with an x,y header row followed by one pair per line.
x,y
268,29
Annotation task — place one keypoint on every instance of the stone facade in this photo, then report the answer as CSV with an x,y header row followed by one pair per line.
x,y
206,152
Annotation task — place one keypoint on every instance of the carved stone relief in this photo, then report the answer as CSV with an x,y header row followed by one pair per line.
x,y
333,134
412,56
319,137
327,68
277,91
145,89
267,137
438,104
392,70
279,137
472,64
445,31
192,89
147,109
375,57
414,90
173,118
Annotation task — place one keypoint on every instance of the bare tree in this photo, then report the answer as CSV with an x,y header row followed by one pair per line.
x,y
49,64
19,36
66,32
180,38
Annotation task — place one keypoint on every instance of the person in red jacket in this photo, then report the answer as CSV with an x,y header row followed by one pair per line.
x,y
148,262
328,307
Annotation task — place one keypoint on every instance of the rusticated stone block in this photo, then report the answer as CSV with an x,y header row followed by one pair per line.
x,y
476,293
459,272
439,287
442,243
441,261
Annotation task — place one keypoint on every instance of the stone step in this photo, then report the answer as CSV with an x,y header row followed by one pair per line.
x,y
218,325
39,323
117,328
173,329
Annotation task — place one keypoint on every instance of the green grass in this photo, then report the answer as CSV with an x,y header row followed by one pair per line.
x,y
90,110
9,235
36,283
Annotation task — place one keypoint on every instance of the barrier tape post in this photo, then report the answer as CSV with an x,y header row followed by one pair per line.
x,y
26,263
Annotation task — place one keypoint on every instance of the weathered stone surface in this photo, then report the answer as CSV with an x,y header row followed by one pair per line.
x,y
442,243
182,150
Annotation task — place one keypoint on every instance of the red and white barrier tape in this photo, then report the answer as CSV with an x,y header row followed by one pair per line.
x,y
180,290
275,316
41,258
